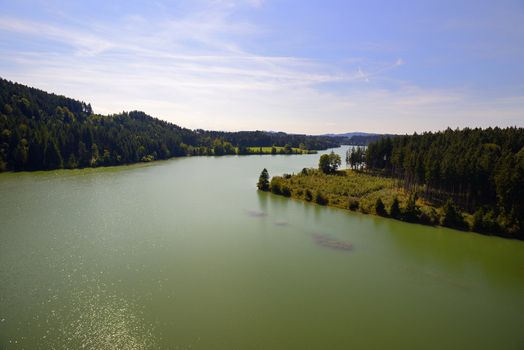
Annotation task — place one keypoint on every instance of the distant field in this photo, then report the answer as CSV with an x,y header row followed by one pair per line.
x,y
279,150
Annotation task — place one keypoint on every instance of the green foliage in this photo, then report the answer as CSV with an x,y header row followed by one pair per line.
x,y
485,221
263,180
275,186
308,196
329,163
320,198
380,209
411,212
356,157
30,119
72,162
373,194
52,156
451,217
394,210
323,164
353,203
476,168
429,216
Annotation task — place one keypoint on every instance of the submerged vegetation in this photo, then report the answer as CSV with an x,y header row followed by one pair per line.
x,y
39,131
463,179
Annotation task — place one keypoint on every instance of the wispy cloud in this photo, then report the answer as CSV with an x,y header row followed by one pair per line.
x,y
193,70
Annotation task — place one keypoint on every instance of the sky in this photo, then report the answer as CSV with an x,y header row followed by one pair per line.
x,y
297,66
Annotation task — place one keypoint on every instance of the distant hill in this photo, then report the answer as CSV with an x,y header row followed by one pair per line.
x,y
40,130
358,138
351,134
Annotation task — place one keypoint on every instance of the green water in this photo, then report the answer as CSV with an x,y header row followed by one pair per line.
x,y
185,254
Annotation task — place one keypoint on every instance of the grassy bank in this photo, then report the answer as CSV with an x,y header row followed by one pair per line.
x,y
369,194
277,150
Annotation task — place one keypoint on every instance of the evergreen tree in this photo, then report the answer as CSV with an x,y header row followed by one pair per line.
x,y
263,180
451,217
380,208
411,212
52,157
394,210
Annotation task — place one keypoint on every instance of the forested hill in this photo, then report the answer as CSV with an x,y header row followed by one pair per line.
x,y
358,138
482,170
39,130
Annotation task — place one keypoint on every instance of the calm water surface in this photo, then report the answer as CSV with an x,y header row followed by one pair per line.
x,y
186,254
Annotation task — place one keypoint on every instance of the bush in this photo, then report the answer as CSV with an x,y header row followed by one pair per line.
x,y
286,191
411,211
394,210
320,199
308,196
451,217
275,185
379,207
429,216
485,222
353,203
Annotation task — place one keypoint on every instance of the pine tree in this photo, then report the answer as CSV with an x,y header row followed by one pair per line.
x,y
52,157
394,210
263,181
379,207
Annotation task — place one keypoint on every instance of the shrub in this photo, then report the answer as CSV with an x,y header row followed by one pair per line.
x,y
394,210
286,191
379,207
429,216
275,185
308,196
320,199
411,211
451,217
485,222
353,203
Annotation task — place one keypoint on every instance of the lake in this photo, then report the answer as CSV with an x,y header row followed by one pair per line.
x,y
186,254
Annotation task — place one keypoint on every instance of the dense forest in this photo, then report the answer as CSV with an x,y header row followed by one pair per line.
x,y
480,170
39,130
364,140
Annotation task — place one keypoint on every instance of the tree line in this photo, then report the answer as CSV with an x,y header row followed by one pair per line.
x,y
39,130
480,170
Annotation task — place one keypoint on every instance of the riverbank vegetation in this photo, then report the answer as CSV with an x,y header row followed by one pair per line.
x,y
287,149
39,130
469,179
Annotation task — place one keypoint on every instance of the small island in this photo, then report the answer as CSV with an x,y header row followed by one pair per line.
x,y
470,179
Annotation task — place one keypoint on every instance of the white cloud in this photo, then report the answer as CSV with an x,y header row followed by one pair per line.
x,y
191,70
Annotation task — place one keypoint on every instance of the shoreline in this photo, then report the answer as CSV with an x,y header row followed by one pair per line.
x,y
359,192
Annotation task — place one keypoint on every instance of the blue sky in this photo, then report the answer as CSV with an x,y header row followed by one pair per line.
x,y
297,66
